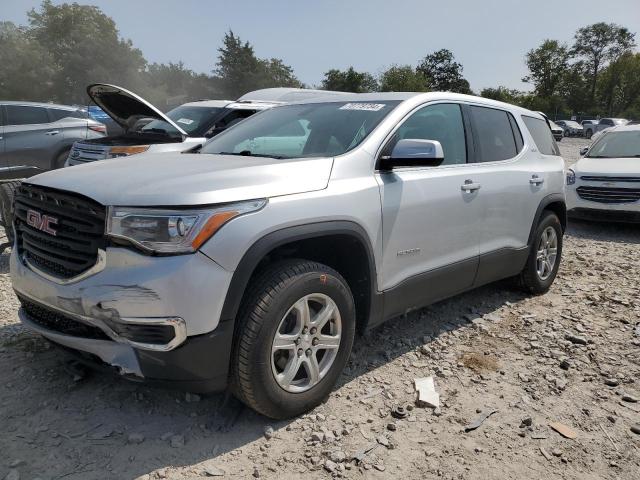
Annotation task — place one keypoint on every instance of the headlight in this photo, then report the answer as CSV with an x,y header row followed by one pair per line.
x,y
571,177
116,152
173,231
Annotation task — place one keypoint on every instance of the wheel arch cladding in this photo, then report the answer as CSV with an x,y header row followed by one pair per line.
x,y
554,203
341,245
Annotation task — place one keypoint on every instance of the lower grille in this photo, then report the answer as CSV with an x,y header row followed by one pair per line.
x,y
609,195
57,322
58,232
595,178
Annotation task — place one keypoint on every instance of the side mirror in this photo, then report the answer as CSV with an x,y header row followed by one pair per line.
x,y
410,152
583,151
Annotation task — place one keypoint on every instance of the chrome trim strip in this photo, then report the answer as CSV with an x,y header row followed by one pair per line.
x,y
178,324
100,265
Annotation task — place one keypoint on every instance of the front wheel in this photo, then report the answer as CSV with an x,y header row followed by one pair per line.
x,y
544,257
296,330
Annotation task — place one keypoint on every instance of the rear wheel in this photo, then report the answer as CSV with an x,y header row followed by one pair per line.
x,y
7,192
60,160
544,257
295,335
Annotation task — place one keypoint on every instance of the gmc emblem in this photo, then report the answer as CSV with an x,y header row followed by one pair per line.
x,y
41,222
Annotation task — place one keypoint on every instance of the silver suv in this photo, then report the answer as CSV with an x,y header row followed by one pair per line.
x,y
253,263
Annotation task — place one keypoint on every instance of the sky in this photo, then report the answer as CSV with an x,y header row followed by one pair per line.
x,y
489,37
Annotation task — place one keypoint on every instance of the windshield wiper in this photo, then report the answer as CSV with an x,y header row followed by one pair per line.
x,y
248,153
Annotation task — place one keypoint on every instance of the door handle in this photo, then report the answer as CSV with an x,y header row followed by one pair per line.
x,y
469,186
53,132
535,180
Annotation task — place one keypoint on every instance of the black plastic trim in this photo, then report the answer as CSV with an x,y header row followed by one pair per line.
x,y
18,172
271,241
499,264
200,365
429,287
546,201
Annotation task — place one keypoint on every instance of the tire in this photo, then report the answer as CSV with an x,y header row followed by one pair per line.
x,y
588,134
60,160
7,191
566,133
269,308
531,279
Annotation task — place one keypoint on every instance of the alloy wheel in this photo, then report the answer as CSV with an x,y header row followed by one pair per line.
x,y
547,253
306,343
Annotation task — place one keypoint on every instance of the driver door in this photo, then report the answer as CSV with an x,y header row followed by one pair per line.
x,y
430,221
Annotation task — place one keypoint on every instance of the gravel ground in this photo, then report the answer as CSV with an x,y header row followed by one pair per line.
x,y
570,357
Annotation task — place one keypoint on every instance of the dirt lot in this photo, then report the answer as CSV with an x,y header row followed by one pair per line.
x,y
571,356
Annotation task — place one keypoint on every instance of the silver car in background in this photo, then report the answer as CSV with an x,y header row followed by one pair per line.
x,y
35,137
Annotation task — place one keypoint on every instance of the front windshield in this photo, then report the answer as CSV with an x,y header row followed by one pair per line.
x,y
304,130
617,145
193,120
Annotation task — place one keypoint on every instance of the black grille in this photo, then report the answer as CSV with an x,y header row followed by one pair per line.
x,y
595,178
609,195
57,322
79,231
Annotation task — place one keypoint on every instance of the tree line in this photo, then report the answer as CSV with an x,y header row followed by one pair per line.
x,y
63,48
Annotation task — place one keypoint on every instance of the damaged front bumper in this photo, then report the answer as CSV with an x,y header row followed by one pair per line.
x,y
148,318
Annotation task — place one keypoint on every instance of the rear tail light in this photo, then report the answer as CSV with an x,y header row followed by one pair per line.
x,y
98,128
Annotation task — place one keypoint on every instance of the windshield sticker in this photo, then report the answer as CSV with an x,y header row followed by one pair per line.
x,y
368,107
186,121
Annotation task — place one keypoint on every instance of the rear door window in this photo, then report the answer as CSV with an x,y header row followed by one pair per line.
x,y
59,113
494,136
542,135
26,115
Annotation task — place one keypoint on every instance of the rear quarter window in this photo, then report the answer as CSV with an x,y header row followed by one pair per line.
x,y
542,135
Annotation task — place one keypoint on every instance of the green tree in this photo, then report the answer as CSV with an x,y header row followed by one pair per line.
x,y
619,84
85,47
403,78
349,81
239,71
443,72
547,65
503,94
26,66
167,85
599,44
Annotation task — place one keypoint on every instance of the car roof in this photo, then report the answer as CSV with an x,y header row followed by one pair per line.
x,y
208,103
624,128
39,104
419,97
286,95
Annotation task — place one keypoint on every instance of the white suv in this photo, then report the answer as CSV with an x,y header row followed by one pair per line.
x,y
605,183
253,263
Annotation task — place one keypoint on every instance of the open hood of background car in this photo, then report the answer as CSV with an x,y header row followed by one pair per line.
x,y
125,107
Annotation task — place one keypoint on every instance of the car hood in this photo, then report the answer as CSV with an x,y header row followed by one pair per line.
x,y
165,179
608,166
126,107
